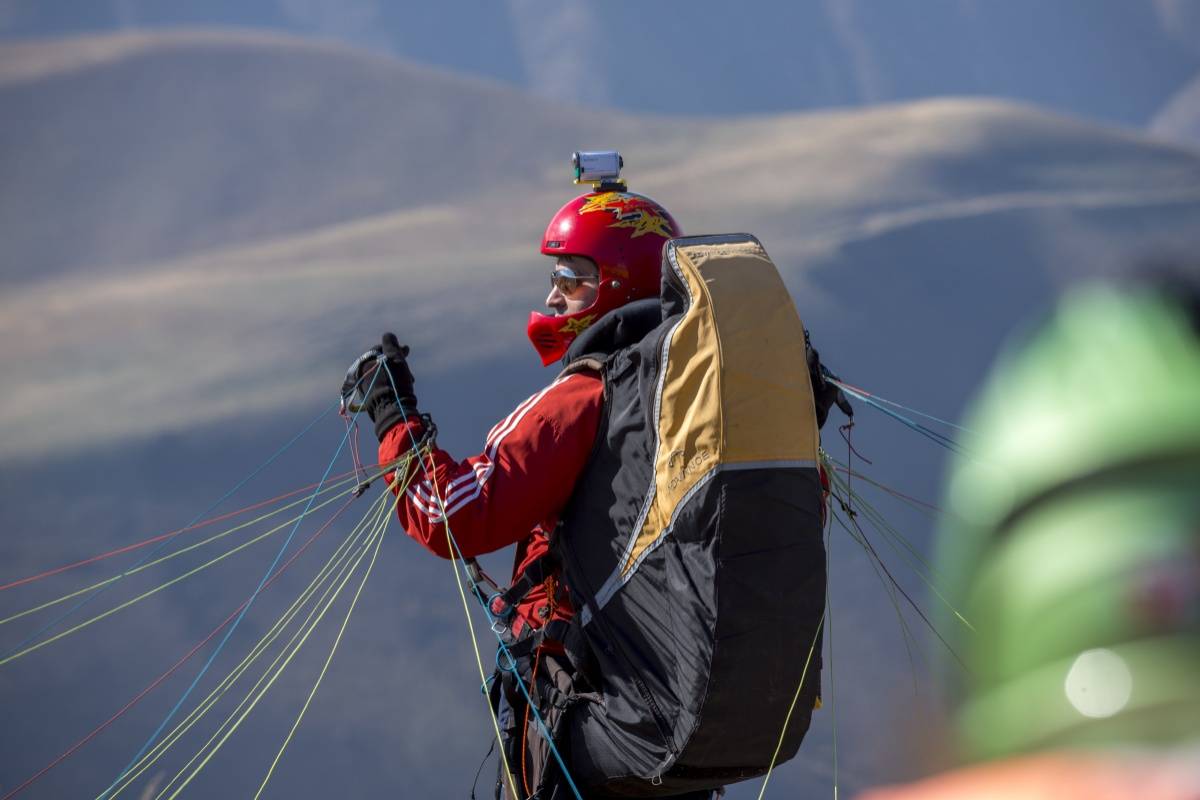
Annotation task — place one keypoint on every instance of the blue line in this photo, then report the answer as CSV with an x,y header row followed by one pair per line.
x,y
838,382
228,633
941,439
491,618
159,548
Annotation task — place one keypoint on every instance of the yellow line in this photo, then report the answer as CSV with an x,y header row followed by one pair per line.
x,y
155,590
226,684
332,565
788,719
167,557
328,659
482,675
452,548
231,720
376,538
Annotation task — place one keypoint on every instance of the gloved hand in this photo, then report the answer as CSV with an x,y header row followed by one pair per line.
x,y
825,393
386,396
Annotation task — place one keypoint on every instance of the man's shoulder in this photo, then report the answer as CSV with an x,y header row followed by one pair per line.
x,y
570,404
577,386
573,399
566,400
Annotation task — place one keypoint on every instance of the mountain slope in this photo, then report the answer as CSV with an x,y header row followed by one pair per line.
x,y
1115,61
809,185
139,146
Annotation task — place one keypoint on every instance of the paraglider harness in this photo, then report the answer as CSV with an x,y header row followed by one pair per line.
x,y
517,660
502,604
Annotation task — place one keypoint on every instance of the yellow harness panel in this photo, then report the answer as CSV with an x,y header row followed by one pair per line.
x,y
734,387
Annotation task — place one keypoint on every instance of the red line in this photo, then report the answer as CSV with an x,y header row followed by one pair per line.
x,y
177,664
162,536
852,386
885,488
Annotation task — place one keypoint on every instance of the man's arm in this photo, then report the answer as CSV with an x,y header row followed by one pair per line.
x,y
524,476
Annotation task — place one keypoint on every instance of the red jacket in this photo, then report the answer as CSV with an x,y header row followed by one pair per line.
x,y
511,493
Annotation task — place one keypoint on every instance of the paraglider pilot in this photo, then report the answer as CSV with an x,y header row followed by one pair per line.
x,y
607,248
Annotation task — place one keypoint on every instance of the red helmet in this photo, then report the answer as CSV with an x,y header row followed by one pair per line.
x,y
624,234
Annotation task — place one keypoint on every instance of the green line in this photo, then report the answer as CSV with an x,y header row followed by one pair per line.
x,y
328,660
343,572
833,706
787,720
378,537
332,565
167,557
891,535
153,591
872,558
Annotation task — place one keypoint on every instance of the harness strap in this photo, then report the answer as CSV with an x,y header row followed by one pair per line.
x,y
477,574
531,640
503,603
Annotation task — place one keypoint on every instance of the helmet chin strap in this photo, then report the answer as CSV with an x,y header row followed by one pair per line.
x,y
612,286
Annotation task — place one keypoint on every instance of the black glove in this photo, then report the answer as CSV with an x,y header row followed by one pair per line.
x,y
825,393
387,396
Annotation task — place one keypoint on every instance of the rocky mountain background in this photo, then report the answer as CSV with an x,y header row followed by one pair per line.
x,y
202,227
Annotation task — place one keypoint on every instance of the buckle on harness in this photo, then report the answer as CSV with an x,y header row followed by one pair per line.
x,y
501,611
511,665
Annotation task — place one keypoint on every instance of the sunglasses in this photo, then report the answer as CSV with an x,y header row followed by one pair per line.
x,y
567,281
